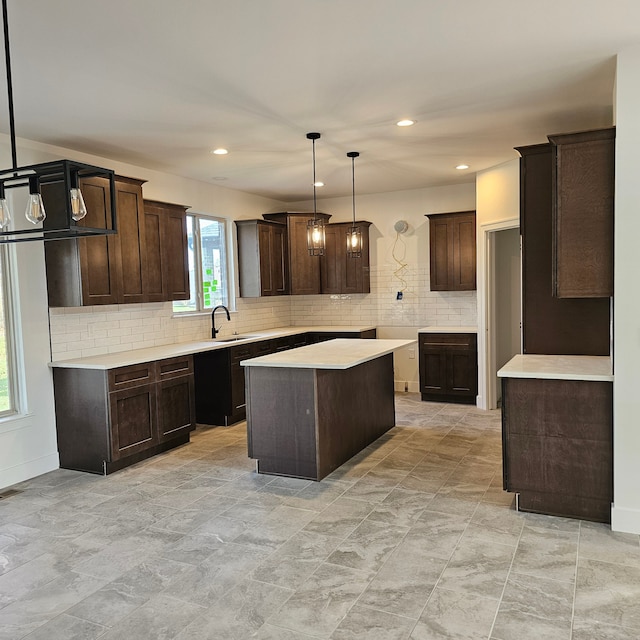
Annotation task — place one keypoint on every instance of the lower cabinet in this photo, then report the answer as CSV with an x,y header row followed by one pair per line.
x,y
557,446
109,419
448,367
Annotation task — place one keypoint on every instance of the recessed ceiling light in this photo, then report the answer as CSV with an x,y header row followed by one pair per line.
x,y
462,166
405,123
220,152
318,184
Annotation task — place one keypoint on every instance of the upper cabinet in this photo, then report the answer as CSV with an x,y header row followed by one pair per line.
x,y
262,258
340,273
583,191
551,325
145,261
304,270
452,251
167,259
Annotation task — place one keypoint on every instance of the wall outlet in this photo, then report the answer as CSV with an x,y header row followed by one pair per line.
x,y
399,295
412,354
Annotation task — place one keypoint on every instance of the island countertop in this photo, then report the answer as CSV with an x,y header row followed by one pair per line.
x,y
340,353
553,367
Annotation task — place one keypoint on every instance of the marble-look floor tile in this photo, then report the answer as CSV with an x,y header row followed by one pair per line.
x,y
479,567
401,507
119,598
296,559
238,614
160,618
607,593
452,615
368,546
341,517
589,630
459,499
598,542
362,623
321,603
534,608
69,628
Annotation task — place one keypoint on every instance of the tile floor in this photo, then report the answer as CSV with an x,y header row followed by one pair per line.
x,y
413,538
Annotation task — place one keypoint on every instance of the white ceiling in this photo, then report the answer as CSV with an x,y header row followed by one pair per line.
x,y
159,83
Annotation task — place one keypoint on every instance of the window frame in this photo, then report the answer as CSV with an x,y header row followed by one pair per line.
x,y
200,307
15,383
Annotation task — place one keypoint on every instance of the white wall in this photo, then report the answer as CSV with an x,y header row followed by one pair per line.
x,y
625,515
497,208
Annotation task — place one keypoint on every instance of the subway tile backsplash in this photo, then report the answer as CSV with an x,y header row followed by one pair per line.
x,y
85,331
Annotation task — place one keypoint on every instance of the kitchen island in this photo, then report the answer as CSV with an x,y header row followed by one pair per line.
x,y
311,409
557,428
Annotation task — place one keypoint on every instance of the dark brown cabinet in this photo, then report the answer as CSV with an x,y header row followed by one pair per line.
x,y
103,269
339,272
551,325
166,257
583,190
304,270
448,367
452,251
110,419
557,446
263,262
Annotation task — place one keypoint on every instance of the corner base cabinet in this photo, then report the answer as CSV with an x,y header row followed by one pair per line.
x,y
108,419
448,367
558,446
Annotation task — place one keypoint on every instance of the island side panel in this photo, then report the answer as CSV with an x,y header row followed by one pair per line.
x,y
281,420
355,407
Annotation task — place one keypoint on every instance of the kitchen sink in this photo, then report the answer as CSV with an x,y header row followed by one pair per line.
x,y
236,338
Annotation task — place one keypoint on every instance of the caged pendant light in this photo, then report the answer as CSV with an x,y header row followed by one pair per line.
x,y
315,227
61,177
354,234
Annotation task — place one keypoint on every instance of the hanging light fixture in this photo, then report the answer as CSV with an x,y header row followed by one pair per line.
x,y
315,227
62,180
354,234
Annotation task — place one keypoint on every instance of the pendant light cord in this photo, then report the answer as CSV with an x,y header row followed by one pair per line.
x,y
315,216
7,57
353,188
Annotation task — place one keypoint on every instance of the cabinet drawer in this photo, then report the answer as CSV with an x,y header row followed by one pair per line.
x,y
172,367
448,339
263,348
240,353
132,376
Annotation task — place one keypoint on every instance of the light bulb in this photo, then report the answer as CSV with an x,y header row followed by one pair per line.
x,y
5,214
78,207
34,212
316,235
354,240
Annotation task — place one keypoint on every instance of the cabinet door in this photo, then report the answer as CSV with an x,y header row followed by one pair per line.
x,y
332,262
433,369
356,278
100,265
452,251
156,290
265,251
131,239
238,399
462,371
304,269
279,261
133,420
175,253
584,186
176,407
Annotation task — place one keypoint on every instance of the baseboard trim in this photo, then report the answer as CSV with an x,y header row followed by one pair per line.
x,y
412,387
625,520
28,470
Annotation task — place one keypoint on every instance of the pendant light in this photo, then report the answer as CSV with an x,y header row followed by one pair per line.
x,y
315,227
354,234
61,179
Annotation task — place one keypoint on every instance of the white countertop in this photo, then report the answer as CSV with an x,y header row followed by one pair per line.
x,y
596,368
150,354
448,330
341,353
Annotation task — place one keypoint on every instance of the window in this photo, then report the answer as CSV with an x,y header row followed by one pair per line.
x,y
7,350
208,265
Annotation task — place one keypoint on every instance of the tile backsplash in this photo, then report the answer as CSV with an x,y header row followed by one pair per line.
x,y
86,331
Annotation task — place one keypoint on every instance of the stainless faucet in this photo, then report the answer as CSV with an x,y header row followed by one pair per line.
x,y
215,331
